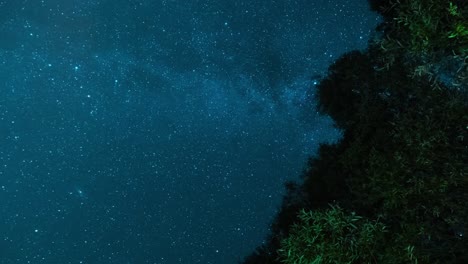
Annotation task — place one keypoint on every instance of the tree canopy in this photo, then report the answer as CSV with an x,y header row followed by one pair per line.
x,y
395,188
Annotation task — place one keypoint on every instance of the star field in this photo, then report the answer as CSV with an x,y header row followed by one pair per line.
x,y
158,131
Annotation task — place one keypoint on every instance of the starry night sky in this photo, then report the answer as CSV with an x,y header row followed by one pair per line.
x,y
159,131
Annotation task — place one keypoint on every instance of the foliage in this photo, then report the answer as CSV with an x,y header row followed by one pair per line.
x,y
403,155
420,186
348,85
431,36
335,236
428,26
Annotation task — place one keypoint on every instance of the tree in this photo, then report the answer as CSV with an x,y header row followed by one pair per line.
x,y
334,236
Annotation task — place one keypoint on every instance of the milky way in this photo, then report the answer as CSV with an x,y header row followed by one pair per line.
x,y
158,131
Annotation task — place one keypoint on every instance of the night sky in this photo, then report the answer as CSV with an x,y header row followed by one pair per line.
x,y
159,131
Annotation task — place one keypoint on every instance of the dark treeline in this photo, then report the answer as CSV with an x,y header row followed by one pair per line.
x,y
395,188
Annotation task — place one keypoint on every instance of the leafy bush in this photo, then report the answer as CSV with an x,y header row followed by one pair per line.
x,y
334,236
